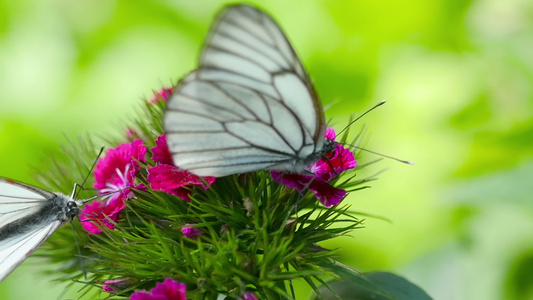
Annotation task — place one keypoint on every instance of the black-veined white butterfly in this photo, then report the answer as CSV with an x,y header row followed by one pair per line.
x,y
249,105
28,216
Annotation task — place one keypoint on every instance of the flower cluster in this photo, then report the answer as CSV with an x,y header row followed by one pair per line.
x,y
115,173
145,165
114,176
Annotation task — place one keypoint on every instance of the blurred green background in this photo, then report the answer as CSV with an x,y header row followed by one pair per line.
x,y
457,76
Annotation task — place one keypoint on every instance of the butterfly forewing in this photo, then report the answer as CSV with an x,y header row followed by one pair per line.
x,y
250,104
18,200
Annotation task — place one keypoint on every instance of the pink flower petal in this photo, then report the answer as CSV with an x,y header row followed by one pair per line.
x,y
190,232
117,284
294,180
168,290
172,180
330,133
328,168
97,214
250,296
162,94
160,152
109,169
327,195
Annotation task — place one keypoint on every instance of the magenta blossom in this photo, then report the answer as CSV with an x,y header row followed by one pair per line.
x,y
169,178
114,175
117,284
250,296
116,171
324,170
190,232
327,168
174,180
162,94
168,290
131,134
98,214
160,153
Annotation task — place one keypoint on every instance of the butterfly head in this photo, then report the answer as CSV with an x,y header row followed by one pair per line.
x,y
301,164
329,146
72,210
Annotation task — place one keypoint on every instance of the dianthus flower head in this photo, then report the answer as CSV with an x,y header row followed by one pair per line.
x,y
116,171
97,214
117,284
114,175
160,153
169,178
190,232
250,296
162,94
168,290
175,181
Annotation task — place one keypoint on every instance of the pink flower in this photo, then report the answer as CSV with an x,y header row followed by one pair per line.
x,y
168,290
160,153
108,289
340,160
190,232
114,175
326,194
117,284
162,94
98,214
250,296
173,180
117,169
132,134
169,178
330,134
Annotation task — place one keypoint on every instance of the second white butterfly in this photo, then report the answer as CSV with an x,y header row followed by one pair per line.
x,y
249,105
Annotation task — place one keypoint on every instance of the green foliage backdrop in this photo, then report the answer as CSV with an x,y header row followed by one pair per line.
x,y
458,76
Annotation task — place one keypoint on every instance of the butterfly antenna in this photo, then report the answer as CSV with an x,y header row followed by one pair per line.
x,y
101,196
407,162
362,115
81,186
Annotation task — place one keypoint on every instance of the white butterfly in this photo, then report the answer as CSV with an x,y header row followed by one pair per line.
x,y
28,216
249,105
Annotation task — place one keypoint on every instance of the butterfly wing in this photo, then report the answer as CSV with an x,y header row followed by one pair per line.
x,y
249,106
14,250
20,203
